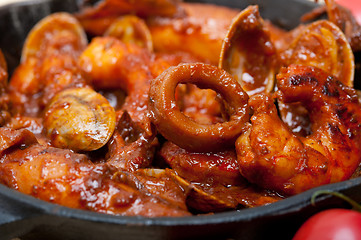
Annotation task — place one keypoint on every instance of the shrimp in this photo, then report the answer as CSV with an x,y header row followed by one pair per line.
x,y
110,63
292,164
71,179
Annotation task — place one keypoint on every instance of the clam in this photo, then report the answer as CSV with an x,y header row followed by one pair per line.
x,y
322,44
58,26
131,29
248,53
79,119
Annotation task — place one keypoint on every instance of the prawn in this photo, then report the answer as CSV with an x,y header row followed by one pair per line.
x,y
113,64
109,63
292,164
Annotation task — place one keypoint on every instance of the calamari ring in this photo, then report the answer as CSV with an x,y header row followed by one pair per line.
x,y
182,130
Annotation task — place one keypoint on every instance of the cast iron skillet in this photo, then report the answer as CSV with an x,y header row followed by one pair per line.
x,y
29,218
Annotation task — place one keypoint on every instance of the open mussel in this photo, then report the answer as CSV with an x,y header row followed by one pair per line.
x,y
343,18
248,53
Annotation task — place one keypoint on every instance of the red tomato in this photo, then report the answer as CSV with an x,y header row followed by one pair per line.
x,y
335,224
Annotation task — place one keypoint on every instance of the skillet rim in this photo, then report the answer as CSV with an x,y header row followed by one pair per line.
x,y
290,205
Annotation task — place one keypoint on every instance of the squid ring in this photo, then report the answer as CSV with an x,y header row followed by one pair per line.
x,y
182,130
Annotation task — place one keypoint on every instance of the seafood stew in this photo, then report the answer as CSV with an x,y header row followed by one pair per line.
x,y
216,152
29,218
126,122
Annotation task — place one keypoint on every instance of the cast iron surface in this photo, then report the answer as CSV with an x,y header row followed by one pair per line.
x,y
29,218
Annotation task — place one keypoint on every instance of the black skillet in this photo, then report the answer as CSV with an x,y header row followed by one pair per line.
x,y
28,218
